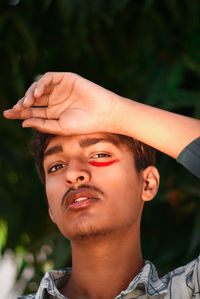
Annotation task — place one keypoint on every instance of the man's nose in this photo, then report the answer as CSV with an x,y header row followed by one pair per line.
x,y
76,173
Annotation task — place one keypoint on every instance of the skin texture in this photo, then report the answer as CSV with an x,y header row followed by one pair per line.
x,y
97,228
63,98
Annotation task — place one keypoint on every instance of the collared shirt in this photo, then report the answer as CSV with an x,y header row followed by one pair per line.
x,y
182,283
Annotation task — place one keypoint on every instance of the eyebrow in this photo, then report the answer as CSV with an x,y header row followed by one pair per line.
x,y
83,143
53,150
91,141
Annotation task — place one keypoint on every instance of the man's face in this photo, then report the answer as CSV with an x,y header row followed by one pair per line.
x,y
92,185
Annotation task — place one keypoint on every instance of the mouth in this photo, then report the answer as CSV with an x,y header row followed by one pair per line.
x,y
81,198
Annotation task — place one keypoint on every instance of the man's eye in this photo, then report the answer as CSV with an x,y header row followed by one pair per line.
x,y
101,155
55,168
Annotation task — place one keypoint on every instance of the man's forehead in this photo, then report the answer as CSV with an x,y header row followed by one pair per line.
x,y
56,143
83,138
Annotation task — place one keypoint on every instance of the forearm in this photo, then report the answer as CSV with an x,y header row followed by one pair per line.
x,y
68,104
168,132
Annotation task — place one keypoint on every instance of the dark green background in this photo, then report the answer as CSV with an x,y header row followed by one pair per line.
x,y
145,50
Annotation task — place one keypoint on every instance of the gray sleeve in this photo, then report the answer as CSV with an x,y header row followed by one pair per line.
x,y
190,157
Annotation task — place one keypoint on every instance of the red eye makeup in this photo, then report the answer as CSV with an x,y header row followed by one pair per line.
x,y
102,164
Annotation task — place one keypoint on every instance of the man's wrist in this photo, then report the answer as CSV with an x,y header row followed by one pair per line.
x,y
122,115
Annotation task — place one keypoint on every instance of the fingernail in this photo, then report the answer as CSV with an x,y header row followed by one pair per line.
x,y
25,100
36,91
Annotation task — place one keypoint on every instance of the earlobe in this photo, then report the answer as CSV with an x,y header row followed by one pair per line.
x,y
51,215
151,179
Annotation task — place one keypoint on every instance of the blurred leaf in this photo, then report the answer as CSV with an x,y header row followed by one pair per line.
x,y
3,234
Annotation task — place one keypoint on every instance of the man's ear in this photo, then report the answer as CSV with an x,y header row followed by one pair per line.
x,y
51,215
151,179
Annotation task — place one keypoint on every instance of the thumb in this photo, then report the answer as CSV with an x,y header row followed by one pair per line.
x,y
43,125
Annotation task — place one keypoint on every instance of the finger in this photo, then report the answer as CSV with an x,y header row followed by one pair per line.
x,y
32,94
63,92
19,106
11,114
43,125
24,103
46,83
29,96
42,101
43,86
26,113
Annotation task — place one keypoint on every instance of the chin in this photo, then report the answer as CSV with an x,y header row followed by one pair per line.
x,y
87,232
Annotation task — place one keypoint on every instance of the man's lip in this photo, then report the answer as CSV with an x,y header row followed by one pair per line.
x,y
73,195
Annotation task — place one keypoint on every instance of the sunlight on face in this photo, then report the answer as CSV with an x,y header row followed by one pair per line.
x,y
110,197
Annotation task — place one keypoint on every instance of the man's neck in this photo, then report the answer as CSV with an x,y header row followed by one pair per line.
x,y
103,267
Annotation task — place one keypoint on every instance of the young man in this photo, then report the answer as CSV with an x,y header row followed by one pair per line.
x,y
97,181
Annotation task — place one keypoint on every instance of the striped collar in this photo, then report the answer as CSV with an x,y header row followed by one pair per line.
x,y
146,281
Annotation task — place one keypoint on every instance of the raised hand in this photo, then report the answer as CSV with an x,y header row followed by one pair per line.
x,y
66,104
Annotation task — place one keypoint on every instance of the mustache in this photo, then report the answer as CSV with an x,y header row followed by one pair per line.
x,y
80,187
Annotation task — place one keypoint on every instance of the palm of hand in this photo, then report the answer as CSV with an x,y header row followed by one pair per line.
x,y
67,104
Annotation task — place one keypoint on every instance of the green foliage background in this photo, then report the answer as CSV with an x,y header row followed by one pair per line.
x,y
147,50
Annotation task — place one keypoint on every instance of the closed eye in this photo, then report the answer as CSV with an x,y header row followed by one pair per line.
x,y
55,168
